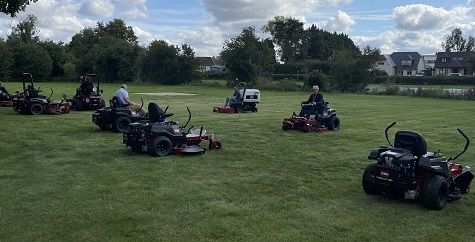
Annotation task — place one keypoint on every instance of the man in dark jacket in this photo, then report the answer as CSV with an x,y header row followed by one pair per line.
x,y
314,103
236,96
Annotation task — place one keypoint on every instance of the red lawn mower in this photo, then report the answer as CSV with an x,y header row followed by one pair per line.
x,y
88,98
30,102
322,120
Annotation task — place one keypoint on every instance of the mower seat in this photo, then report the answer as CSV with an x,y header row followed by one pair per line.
x,y
156,114
412,141
116,103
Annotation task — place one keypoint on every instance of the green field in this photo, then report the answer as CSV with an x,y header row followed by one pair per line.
x,y
63,179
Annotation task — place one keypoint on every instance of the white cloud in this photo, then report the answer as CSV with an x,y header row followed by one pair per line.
x,y
206,42
134,14
97,8
420,17
341,22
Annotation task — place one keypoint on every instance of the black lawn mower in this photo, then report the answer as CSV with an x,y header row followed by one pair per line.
x,y
407,169
116,117
159,137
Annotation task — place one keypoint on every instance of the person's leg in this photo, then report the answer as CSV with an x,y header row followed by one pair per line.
x,y
227,101
303,111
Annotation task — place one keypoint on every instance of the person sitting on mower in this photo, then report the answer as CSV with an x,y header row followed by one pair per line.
x,y
86,86
123,97
315,103
236,96
3,89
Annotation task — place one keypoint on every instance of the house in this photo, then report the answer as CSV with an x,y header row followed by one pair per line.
x,y
385,63
401,63
453,62
210,64
429,62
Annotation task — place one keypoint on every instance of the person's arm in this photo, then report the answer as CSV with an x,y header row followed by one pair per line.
x,y
319,99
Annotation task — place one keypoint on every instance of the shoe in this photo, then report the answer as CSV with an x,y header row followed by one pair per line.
x,y
294,115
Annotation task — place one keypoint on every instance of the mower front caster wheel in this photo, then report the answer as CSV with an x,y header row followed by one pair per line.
x,y
218,145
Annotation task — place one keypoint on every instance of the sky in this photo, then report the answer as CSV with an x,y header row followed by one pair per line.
x,y
388,25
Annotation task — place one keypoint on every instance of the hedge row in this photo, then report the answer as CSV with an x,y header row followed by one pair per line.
x,y
428,80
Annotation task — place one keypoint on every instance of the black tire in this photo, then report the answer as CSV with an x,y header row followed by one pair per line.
x,y
254,109
160,146
239,109
435,192
103,103
120,124
212,147
333,123
369,181
36,109
285,126
305,129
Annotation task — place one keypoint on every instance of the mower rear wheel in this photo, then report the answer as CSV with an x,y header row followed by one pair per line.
x,y
305,129
160,146
121,124
218,147
369,181
333,123
36,109
435,192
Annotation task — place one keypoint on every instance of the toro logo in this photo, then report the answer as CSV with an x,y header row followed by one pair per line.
x,y
384,174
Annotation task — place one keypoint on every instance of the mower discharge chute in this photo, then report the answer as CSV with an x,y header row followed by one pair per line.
x,y
408,169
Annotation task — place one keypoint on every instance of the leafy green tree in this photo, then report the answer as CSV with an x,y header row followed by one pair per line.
x,y
115,60
456,43
247,57
164,63
25,31
351,71
322,44
81,46
11,7
32,58
117,29
289,35
57,52
6,60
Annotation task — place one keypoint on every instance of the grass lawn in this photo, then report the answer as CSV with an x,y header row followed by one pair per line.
x,y
63,179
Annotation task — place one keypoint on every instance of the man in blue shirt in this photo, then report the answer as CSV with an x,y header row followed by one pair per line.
x,y
236,97
123,97
314,103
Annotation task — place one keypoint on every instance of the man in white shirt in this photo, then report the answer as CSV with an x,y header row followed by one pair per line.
x,y
123,97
